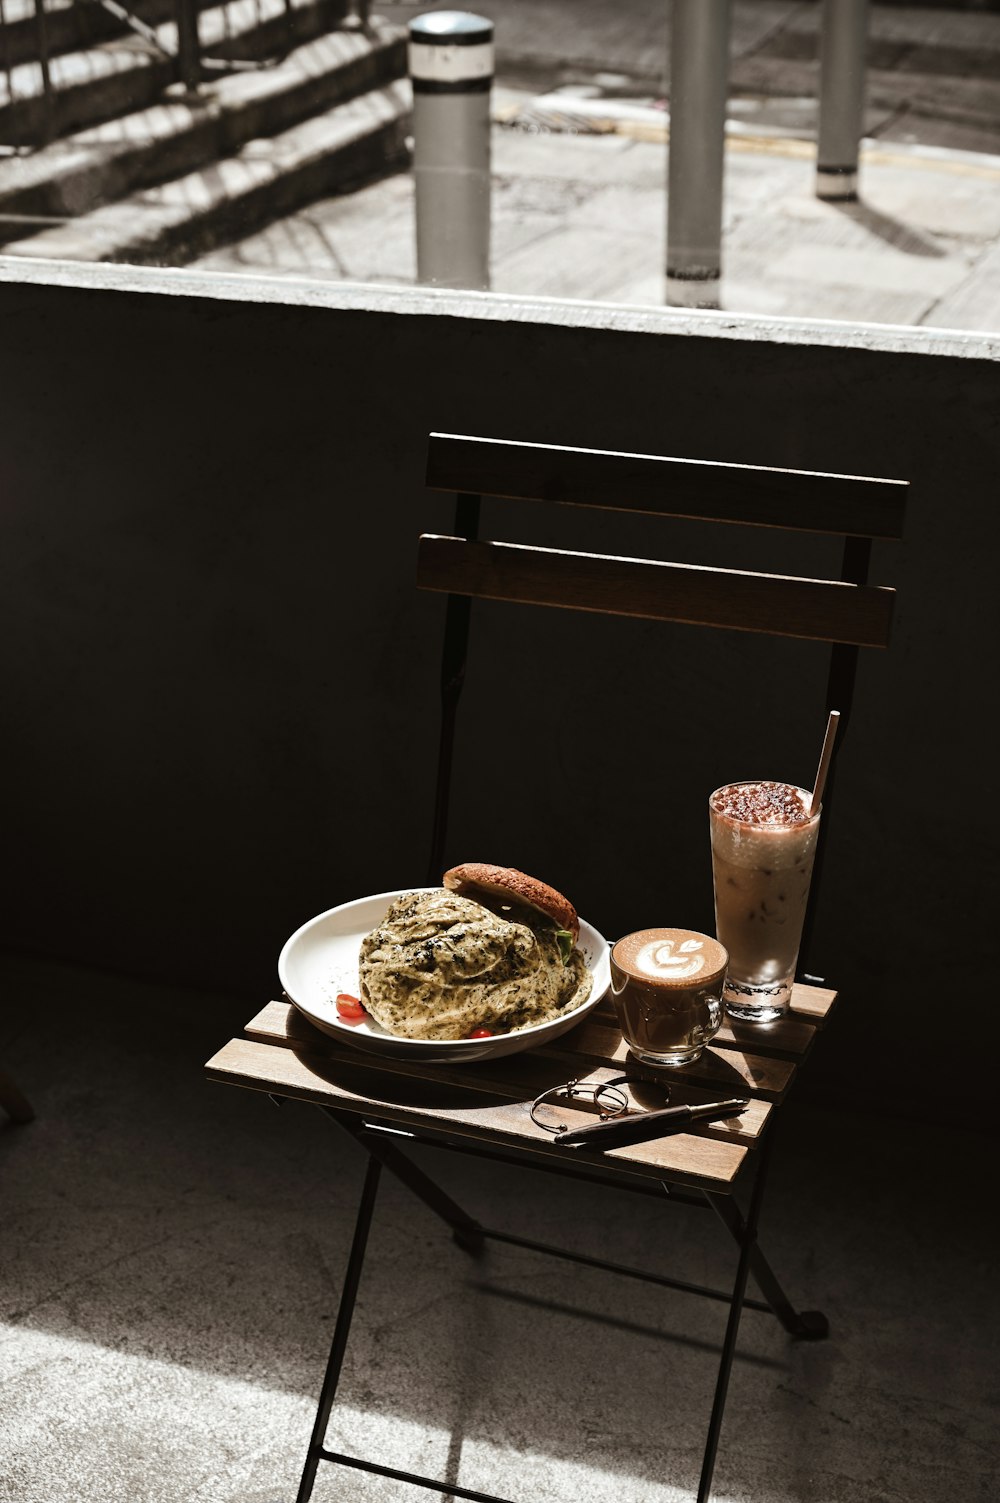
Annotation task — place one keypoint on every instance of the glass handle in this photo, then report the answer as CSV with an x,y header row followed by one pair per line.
x,y
714,1015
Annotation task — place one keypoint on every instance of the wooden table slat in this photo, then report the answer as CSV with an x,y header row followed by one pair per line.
x,y
684,1157
790,1038
731,1070
793,1034
728,1069
812,1002
518,1078
489,1102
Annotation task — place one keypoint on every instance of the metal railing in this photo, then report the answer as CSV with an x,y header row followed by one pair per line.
x,y
54,53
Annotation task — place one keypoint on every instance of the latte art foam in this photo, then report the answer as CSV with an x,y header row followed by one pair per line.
x,y
670,960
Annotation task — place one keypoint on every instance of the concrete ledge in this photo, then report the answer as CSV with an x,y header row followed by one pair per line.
x,y
491,307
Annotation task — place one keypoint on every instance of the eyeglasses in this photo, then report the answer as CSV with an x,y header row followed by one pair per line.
x,y
607,1096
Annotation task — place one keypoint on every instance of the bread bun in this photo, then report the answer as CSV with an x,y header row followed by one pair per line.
x,y
517,887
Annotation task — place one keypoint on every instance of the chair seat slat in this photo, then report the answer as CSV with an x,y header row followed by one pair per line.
x,y
822,610
520,1077
684,1158
752,495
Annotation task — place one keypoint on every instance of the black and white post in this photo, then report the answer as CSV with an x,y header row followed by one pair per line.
x,y
843,38
451,71
699,92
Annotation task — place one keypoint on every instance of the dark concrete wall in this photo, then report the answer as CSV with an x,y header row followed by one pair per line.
x,y
220,683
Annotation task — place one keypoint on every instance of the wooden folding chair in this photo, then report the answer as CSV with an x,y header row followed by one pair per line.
x,y
485,1109
847,613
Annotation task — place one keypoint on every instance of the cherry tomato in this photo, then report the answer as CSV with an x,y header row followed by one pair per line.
x,y
481,1033
349,1008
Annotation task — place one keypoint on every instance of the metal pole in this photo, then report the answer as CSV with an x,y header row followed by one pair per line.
x,y
357,16
188,45
451,70
348,1296
699,83
748,1242
843,34
42,34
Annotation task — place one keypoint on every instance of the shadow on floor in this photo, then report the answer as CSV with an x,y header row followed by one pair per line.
x,y
174,1251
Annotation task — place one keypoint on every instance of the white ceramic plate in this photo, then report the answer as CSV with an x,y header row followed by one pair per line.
x,y
321,959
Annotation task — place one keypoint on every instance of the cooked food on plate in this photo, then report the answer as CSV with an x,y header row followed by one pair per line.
x,y
490,951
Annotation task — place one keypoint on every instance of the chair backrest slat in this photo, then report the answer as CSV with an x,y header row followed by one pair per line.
x,y
844,614
751,495
780,605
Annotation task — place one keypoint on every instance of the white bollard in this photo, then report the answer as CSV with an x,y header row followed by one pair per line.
x,y
843,34
699,91
451,72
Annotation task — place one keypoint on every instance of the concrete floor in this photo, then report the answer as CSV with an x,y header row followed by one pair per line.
x,y
581,215
579,167
173,1250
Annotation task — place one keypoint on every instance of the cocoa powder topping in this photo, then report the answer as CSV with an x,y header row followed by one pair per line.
x,y
762,803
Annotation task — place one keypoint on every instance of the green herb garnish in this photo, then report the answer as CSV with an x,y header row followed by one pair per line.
x,y
565,939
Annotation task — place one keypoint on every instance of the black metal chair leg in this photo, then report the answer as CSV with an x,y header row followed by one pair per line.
x,y
382,1153
725,1368
342,1329
806,1325
467,1232
747,1241
453,657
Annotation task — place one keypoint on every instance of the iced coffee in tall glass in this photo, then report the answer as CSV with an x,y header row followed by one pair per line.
x,y
763,847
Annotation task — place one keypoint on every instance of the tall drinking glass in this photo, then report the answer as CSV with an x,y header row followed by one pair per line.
x,y
763,846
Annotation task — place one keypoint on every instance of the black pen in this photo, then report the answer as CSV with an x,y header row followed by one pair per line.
x,y
640,1127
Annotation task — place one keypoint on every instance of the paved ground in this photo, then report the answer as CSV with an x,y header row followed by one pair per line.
x,y
173,1252
579,170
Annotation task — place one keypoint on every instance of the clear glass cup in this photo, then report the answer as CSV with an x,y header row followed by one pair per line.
x,y
764,838
666,985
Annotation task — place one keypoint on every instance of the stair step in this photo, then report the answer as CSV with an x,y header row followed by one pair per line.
x,y
87,86
125,74
178,135
190,215
70,25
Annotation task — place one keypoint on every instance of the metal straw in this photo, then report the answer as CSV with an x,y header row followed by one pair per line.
x,y
824,760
